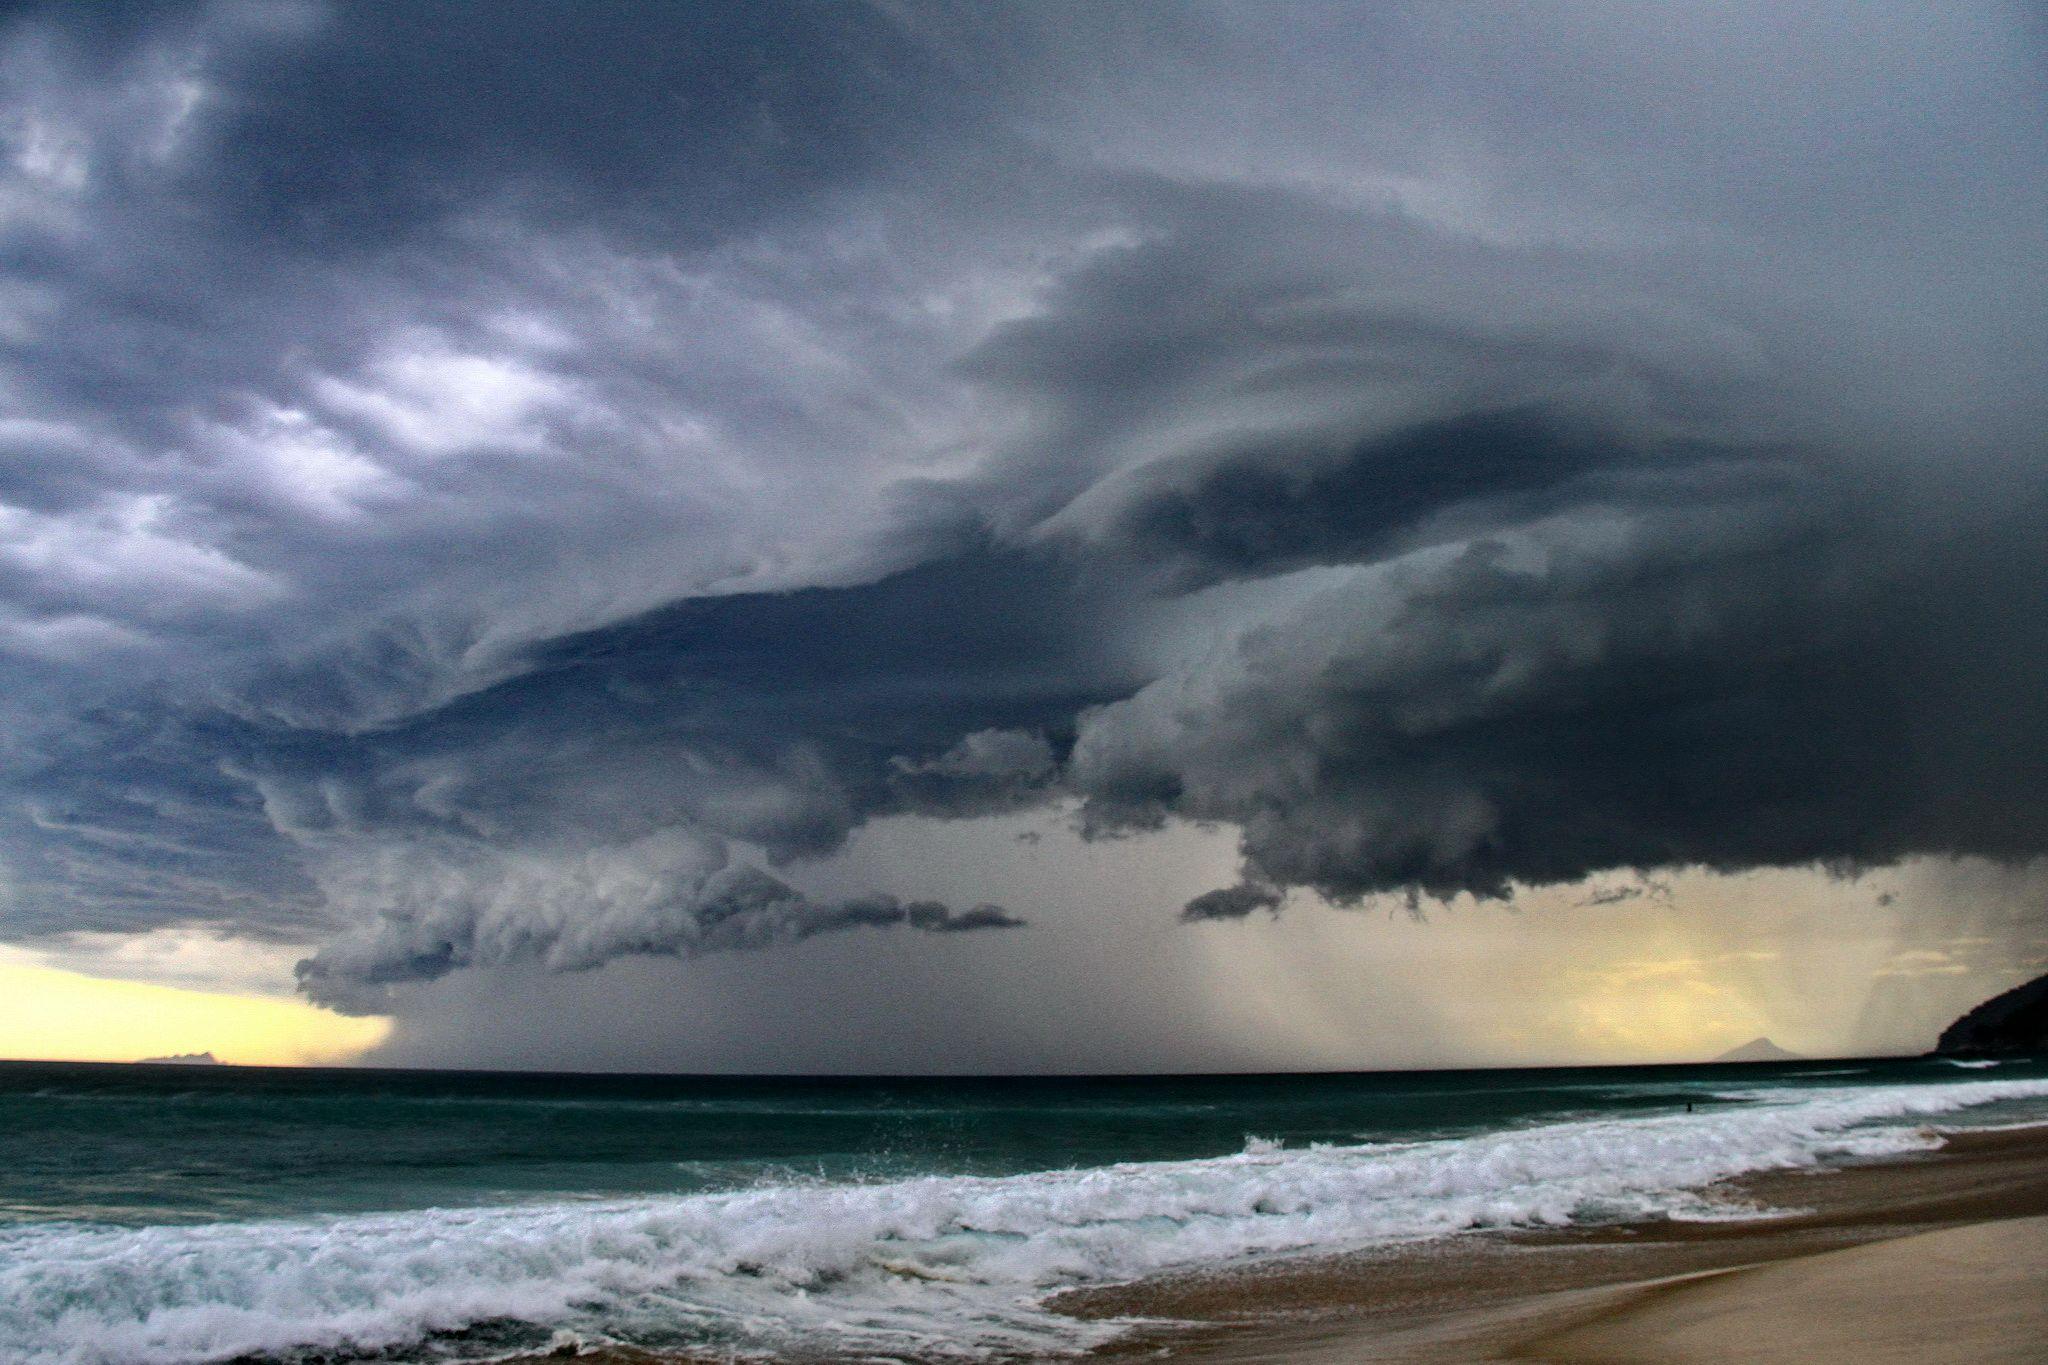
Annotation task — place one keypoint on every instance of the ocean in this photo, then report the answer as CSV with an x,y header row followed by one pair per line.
x,y
191,1214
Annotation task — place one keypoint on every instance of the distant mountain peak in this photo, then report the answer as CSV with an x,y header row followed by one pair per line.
x,y
182,1059
1759,1050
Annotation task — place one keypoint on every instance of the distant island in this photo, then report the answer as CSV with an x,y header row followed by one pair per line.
x,y
1759,1050
182,1059
2016,1021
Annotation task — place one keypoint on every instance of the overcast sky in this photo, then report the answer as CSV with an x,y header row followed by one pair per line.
x,y
908,535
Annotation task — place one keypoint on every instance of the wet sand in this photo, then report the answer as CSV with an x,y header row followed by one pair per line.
x,y
1976,1293
1938,1257
1935,1258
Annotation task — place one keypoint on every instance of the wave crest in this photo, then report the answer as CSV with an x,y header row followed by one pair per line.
x,y
935,1266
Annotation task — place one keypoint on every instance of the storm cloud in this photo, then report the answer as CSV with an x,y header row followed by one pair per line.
x,y
521,490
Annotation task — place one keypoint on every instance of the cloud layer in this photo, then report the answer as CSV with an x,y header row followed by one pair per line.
x,y
494,492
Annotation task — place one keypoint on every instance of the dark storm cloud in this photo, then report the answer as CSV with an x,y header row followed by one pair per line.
x,y
1264,512
330,336
1658,655
357,127
1232,902
588,807
683,123
481,487
569,915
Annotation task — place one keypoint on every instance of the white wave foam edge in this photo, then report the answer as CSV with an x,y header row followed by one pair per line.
x,y
935,1266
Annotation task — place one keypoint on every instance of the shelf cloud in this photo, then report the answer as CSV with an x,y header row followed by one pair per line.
x,y
516,490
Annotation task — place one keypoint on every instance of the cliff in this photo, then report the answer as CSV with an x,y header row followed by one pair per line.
x,y
2014,1022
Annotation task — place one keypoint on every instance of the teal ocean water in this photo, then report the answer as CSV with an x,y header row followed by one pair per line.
x,y
181,1214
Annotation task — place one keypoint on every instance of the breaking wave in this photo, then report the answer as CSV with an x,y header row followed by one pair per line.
x,y
937,1266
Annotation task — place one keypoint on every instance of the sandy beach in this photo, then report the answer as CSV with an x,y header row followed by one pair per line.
x,y
1940,1257
1933,1259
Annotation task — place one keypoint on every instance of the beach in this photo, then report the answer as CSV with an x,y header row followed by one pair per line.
x,y
165,1216
1927,1260
1934,1257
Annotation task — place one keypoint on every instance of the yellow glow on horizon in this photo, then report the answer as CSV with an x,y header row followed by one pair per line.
x,y
52,1015
1681,1008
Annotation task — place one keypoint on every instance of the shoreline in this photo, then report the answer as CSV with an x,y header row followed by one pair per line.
x,y
1955,1227
1636,1292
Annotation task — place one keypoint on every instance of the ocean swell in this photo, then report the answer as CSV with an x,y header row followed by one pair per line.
x,y
936,1266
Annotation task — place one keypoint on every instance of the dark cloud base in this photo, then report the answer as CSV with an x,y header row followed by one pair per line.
x,y
487,492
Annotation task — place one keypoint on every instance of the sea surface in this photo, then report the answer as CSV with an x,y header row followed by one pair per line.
x,y
188,1214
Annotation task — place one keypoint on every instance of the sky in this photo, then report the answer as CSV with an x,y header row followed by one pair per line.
x,y
906,536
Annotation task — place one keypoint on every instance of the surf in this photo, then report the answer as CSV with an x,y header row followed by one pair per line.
x,y
946,1266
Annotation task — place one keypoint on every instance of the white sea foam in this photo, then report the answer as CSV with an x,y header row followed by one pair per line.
x,y
1979,1064
932,1266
